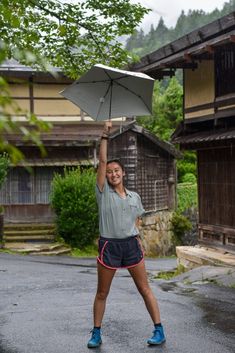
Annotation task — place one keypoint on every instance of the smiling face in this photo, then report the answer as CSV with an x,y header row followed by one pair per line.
x,y
114,174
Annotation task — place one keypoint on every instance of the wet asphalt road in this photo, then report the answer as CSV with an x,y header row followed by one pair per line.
x,y
46,307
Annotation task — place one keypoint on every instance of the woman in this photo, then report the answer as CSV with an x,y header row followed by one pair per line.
x,y
119,246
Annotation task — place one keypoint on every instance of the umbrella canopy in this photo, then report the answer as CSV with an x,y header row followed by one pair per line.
x,y
105,92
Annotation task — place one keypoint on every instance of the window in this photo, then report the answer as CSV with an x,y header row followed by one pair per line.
x,y
225,70
18,188
23,187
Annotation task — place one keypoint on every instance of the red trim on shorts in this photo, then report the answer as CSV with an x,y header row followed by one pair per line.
x,y
140,244
102,251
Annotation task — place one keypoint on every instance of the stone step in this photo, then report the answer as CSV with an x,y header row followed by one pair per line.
x,y
38,248
17,232
28,226
24,232
54,252
194,256
28,238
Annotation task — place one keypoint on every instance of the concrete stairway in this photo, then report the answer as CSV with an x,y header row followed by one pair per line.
x,y
29,232
33,238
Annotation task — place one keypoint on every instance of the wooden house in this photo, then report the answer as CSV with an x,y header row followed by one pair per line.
x,y
25,195
207,58
74,140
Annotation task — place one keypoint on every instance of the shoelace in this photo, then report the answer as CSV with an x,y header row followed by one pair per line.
x,y
95,334
156,330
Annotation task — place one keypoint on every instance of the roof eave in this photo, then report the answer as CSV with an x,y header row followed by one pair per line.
x,y
178,53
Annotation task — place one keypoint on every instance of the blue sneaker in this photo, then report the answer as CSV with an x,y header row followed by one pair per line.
x,y
95,340
158,336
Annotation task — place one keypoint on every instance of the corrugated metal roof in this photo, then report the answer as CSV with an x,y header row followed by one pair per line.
x,y
55,163
167,146
72,134
205,136
14,65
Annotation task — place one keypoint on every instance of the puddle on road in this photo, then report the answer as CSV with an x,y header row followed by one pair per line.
x,y
5,349
219,313
174,287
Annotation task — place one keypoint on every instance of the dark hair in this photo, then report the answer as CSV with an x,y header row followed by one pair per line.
x,y
115,160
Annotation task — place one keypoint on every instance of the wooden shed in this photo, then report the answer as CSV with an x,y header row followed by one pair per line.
x,y
207,58
149,164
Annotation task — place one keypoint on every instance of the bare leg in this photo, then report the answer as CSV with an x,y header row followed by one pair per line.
x,y
140,278
105,277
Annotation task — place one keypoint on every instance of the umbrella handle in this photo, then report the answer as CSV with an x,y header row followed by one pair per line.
x,y
108,125
111,97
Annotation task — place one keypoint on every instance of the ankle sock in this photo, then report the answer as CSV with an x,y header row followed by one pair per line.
x,y
158,325
97,327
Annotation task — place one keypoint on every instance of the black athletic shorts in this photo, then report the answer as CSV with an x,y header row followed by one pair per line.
x,y
120,253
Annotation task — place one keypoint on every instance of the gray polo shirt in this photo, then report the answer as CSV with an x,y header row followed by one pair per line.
x,y
117,215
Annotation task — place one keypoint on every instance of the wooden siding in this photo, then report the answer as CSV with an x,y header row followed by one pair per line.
x,y
199,89
18,90
42,99
216,168
155,169
40,213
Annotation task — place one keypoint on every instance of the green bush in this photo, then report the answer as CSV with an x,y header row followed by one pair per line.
x,y
186,165
74,202
4,166
180,224
186,196
189,178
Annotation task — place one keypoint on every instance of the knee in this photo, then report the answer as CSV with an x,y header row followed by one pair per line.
x,y
145,291
101,295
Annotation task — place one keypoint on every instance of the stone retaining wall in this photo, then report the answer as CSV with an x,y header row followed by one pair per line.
x,y
156,234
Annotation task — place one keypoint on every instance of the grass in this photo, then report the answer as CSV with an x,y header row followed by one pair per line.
x,y
8,251
88,251
170,274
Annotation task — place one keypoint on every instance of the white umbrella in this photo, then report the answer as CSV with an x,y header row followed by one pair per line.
x,y
105,92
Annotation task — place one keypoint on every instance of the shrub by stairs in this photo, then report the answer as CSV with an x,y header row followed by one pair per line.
x,y
33,239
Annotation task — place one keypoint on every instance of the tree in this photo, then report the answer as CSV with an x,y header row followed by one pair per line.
x,y
186,23
66,35
167,114
46,33
4,166
167,109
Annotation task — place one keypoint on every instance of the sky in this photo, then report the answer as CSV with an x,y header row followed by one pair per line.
x,y
171,9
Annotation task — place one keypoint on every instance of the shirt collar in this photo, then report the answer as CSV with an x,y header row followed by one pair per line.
x,y
128,192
